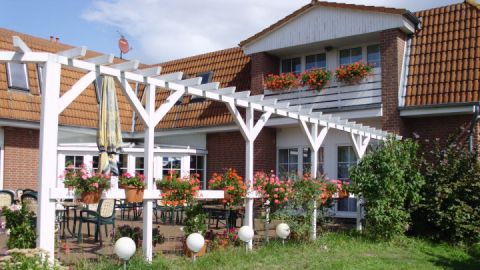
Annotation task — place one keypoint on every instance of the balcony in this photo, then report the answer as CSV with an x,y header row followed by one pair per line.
x,y
335,97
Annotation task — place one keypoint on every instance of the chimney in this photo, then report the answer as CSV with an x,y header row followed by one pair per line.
x,y
51,39
57,39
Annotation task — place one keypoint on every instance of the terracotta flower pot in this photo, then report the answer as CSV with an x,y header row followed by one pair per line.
x,y
91,197
133,194
202,251
343,194
223,243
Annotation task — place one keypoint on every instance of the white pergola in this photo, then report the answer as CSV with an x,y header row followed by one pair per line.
x,y
314,125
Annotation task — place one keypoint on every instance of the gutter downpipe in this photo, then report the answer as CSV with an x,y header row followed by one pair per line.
x,y
476,113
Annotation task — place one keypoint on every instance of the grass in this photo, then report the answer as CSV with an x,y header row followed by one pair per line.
x,y
332,251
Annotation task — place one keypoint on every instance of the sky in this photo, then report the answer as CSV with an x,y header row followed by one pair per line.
x,y
160,30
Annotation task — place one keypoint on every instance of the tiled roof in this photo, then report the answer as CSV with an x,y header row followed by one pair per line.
x,y
322,4
445,56
230,67
20,105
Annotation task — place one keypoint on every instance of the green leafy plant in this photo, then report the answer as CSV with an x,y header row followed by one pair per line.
x,y
137,180
195,219
272,189
177,190
136,233
31,259
450,205
353,73
232,184
21,225
389,181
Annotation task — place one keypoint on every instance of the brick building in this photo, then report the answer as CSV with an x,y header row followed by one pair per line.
x,y
425,80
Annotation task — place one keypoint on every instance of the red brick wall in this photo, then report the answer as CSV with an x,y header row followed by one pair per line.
x,y
262,65
392,45
21,158
227,150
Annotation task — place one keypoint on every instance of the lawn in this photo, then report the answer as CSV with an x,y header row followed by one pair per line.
x,y
332,251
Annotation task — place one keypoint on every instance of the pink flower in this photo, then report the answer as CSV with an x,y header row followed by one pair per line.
x,y
95,185
276,201
84,177
275,195
70,167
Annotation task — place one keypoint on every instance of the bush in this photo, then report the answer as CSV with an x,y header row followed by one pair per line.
x,y
21,225
389,181
31,259
450,208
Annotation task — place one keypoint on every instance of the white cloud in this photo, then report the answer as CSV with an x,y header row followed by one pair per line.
x,y
166,29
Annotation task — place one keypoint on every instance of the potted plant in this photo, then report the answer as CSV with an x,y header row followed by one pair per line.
x,y
134,185
353,73
195,223
178,190
272,189
342,191
281,82
232,184
315,78
87,184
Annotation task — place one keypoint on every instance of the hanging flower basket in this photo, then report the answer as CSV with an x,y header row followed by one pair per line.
x,y
91,197
233,186
178,190
133,194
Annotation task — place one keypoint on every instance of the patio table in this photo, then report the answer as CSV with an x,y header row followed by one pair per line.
x,y
231,214
75,206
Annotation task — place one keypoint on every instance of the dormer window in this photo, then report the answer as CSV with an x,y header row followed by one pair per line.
x,y
349,56
206,76
292,65
315,61
17,76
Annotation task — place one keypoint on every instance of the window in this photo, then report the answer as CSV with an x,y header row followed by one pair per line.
x,y
206,76
76,161
171,164
197,167
315,61
288,163
350,56
346,159
122,163
17,76
139,165
373,55
291,65
307,159
95,160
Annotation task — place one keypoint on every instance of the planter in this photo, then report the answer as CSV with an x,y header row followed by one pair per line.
x,y
202,251
133,194
91,197
343,194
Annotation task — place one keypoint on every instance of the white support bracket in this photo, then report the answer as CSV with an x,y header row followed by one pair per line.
x,y
314,138
133,99
248,133
360,144
166,106
69,96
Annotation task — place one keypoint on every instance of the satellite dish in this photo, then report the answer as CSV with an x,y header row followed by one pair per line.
x,y
123,45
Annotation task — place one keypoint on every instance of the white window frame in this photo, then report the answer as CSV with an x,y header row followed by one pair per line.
x,y
10,82
351,196
204,175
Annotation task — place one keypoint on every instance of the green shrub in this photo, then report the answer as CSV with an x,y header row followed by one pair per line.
x,y
21,225
31,259
195,219
450,208
389,181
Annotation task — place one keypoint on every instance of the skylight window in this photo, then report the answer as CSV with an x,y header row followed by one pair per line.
x,y
17,76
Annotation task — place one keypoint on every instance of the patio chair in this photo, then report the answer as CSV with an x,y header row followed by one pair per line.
x,y
7,198
31,201
104,215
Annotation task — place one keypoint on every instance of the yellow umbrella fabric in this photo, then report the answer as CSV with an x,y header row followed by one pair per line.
x,y
109,134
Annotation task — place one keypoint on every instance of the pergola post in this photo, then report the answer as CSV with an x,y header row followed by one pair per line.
x,y
48,157
315,140
360,144
148,171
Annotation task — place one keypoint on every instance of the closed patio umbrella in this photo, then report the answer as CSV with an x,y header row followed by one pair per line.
x,y
109,134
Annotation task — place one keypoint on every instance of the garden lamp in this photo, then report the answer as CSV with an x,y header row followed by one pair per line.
x,y
195,242
283,231
125,248
245,233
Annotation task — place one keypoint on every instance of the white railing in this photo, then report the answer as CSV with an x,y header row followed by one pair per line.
x,y
335,95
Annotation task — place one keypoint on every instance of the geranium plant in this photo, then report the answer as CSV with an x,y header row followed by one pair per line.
x,y
232,184
178,190
21,224
136,180
281,82
83,180
272,189
316,78
353,73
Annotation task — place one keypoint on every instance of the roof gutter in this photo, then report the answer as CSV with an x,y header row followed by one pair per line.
x,y
438,110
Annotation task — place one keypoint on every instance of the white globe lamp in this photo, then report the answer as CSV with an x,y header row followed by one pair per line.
x,y
283,231
245,233
125,248
195,242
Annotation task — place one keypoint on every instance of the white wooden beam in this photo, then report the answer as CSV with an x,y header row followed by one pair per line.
x,y
243,94
237,117
190,82
260,124
69,96
19,45
103,59
149,72
208,86
166,106
126,66
170,77
76,52
360,144
133,100
226,90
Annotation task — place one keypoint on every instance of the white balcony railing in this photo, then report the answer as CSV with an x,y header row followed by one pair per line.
x,y
335,96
